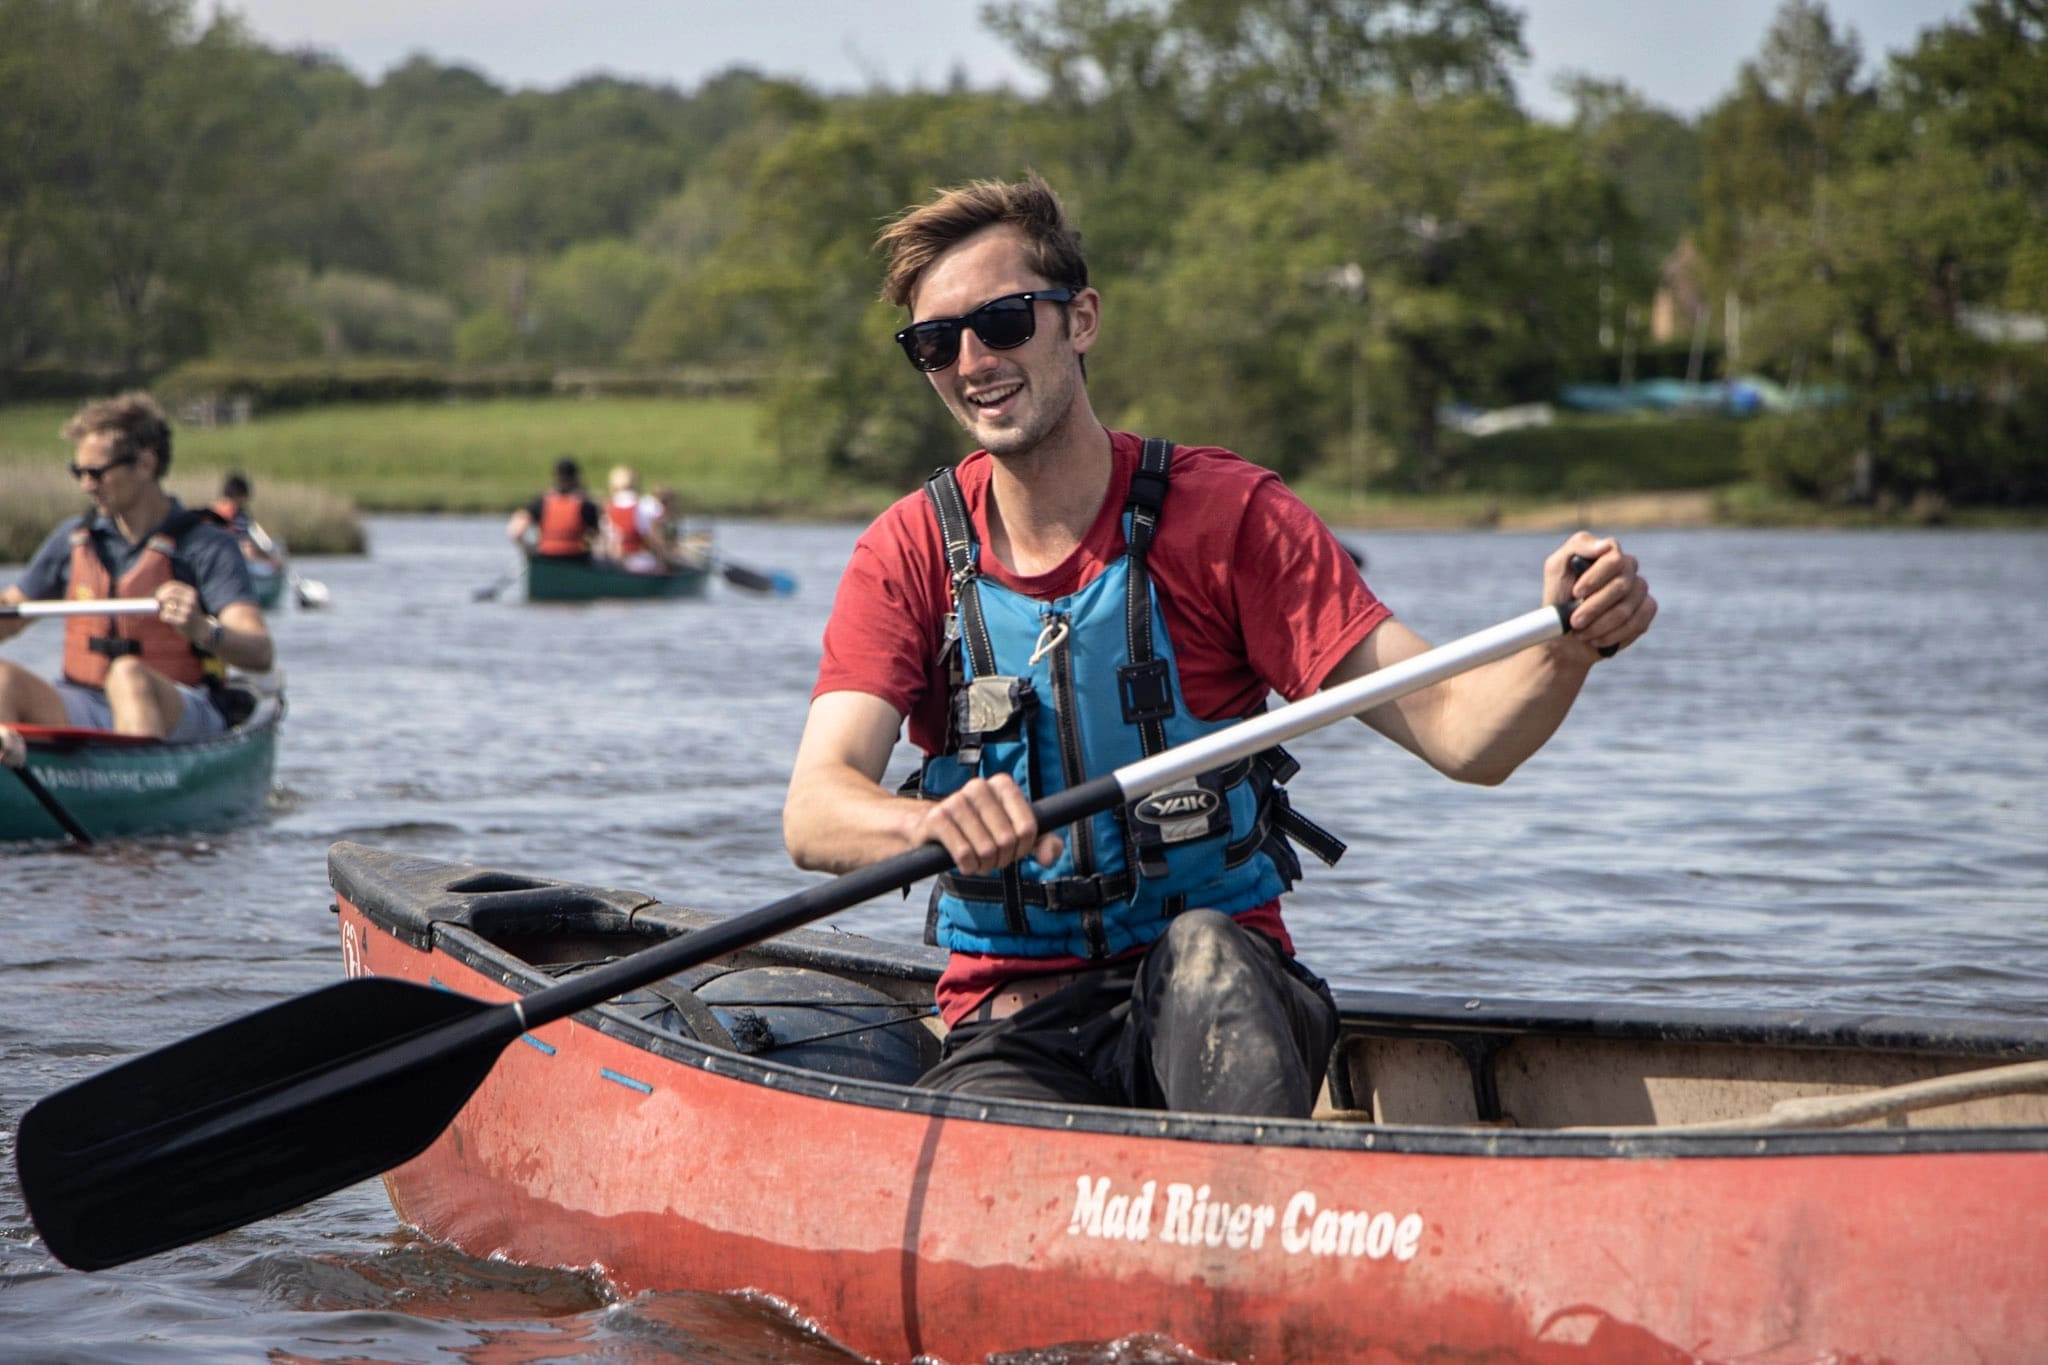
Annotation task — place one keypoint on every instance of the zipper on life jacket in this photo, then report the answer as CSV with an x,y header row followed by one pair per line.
x,y
1053,645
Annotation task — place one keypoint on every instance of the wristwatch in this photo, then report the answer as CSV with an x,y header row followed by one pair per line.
x,y
214,631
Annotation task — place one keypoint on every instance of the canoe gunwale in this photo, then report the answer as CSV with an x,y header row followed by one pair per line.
x,y
575,580
68,739
458,910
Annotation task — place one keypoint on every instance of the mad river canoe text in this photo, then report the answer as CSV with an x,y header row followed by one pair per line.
x,y
1190,1216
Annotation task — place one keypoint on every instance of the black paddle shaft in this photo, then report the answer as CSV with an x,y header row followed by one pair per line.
x,y
64,818
277,1108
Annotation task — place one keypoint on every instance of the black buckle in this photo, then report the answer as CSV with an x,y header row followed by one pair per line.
x,y
1148,489
114,646
1146,690
1068,894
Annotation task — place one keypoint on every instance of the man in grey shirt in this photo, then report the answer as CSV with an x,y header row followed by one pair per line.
x,y
152,676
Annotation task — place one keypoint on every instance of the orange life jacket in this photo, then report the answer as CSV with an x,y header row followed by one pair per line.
x,y
625,520
562,531
92,643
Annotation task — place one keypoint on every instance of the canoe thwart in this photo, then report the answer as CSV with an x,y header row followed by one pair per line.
x,y
1840,1111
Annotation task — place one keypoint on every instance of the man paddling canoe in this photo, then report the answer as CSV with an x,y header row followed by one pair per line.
x,y
152,676
232,507
1065,601
562,523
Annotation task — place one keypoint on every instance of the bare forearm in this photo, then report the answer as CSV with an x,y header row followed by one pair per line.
x,y
1479,726
244,649
1490,721
243,641
837,819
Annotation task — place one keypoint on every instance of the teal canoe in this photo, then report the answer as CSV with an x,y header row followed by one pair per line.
x,y
583,580
269,584
116,785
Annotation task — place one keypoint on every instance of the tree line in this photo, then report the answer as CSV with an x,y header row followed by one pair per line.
x,y
1320,223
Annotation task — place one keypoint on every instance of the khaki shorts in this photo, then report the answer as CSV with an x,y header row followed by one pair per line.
x,y
87,708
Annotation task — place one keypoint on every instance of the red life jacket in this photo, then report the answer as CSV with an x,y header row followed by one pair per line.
x,y
625,520
92,643
562,531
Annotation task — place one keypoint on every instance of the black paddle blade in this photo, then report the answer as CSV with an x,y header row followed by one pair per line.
x,y
251,1118
754,580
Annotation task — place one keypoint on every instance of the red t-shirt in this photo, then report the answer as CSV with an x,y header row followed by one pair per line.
x,y
1257,595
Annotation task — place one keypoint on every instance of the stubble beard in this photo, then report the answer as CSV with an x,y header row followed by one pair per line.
x,y
1045,414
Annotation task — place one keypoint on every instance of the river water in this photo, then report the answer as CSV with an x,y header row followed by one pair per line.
x,y
1821,781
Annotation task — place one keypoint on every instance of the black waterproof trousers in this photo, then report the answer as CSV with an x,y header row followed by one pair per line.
x,y
1213,1018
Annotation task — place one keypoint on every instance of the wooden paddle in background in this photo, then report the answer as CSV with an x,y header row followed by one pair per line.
x,y
313,1094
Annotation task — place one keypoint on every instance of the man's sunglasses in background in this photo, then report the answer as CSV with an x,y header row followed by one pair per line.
x,y
1004,324
94,471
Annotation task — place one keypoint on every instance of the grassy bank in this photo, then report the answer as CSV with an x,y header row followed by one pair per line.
x,y
479,457
41,493
311,467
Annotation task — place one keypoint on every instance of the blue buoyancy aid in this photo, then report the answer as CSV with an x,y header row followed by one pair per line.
x,y
1056,692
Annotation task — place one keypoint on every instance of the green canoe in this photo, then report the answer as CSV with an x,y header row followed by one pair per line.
x,y
583,580
117,785
269,584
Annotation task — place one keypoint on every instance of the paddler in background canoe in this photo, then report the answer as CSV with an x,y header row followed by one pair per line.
x,y
561,523
232,507
674,543
634,536
153,676
1073,978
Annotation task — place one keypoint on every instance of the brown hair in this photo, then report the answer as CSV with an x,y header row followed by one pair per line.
x,y
134,418
924,233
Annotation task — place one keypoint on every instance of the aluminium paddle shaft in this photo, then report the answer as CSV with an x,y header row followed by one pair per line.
x,y
1128,783
110,606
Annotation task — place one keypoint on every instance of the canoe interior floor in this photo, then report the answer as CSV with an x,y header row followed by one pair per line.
x,y
1508,1077
1538,1082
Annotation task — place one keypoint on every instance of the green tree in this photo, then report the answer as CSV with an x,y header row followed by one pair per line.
x,y
1252,78
1654,159
39,154
1909,273
798,275
145,137
1787,124
1326,313
588,300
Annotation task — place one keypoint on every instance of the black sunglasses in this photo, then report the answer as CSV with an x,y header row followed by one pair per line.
x,y
81,471
1005,324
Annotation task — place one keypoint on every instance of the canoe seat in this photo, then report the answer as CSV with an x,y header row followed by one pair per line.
x,y
792,1015
236,703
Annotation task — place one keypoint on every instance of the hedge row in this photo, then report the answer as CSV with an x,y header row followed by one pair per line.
x,y
54,384
272,388
1619,454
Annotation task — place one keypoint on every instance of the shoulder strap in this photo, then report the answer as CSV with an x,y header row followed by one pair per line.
x,y
963,558
1144,686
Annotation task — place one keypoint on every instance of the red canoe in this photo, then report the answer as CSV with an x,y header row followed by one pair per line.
x,y
1486,1181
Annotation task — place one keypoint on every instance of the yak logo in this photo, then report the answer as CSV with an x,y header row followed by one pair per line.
x,y
1176,805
